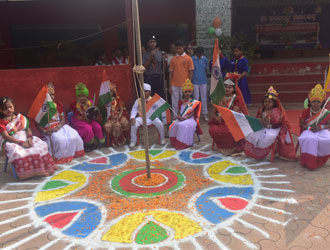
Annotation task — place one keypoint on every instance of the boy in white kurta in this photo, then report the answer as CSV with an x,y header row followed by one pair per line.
x,y
136,122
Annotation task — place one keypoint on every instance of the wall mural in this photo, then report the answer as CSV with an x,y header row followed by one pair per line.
x,y
107,200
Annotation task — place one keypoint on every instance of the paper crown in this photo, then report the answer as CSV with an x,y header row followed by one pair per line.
x,y
232,76
317,93
271,93
187,86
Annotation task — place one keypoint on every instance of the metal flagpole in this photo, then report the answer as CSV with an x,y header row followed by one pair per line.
x,y
136,29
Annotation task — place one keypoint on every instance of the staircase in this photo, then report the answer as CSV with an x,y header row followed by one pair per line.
x,y
292,78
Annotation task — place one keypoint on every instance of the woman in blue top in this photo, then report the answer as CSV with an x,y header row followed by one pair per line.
x,y
239,65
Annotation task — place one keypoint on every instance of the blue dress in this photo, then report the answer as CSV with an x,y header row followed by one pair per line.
x,y
224,65
241,65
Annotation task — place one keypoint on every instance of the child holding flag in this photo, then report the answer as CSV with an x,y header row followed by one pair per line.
x,y
136,122
314,140
63,141
117,125
182,130
28,154
89,130
276,127
219,130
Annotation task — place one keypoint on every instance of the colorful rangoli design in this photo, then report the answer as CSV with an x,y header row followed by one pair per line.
x,y
108,201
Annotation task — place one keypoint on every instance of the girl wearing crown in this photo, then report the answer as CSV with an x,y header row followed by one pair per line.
x,y
182,130
89,130
63,141
117,125
276,127
314,140
218,129
28,154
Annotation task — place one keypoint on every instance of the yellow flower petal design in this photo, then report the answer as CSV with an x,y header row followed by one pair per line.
x,y
67,175
216,169
140,155
122,231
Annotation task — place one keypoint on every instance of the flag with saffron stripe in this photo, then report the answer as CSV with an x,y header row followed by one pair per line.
x,y
320,118
104,102
43,108
155,107
217,89
239,125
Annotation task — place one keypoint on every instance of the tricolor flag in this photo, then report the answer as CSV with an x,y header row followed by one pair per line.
x,y
43,108
155,107
217,89
166,117
318,118
104,102
239,125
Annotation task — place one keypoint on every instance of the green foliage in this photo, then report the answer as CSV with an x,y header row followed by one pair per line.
x,y
239,38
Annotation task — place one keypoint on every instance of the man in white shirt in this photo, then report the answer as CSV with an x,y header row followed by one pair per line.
x,y
136,122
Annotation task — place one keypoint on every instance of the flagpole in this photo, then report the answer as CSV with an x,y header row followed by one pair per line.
x,y
136,28
50,136
325,104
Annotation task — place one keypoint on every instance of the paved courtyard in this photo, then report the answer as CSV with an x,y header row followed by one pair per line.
x,y
201,200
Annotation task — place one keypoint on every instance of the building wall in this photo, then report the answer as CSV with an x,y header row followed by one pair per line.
x,y
206,11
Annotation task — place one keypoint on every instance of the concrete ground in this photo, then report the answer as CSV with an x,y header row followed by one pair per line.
x,y
291,209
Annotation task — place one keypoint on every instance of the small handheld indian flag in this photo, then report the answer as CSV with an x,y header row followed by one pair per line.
x,y
217,89
155,107
43,108
239,125
104,102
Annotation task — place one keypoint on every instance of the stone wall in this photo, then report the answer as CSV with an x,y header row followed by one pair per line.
x,y
206,11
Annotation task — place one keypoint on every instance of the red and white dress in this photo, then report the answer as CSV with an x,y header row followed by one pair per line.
x,y
314,146
28,162
182,132
220,132
66,142
259,144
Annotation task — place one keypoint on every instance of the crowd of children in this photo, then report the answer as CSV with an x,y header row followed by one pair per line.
x,y
31,156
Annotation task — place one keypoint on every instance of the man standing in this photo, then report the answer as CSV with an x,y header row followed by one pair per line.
x,y
153,62
181,68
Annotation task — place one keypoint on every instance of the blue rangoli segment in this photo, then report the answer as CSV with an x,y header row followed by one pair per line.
x,y
211,211
115,160
85,224
187,157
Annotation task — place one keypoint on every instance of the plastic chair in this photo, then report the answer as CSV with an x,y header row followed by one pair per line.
x,y
138,133
70,115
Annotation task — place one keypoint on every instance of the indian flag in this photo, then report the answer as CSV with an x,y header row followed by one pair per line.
x,y
43,108
239,125
166,117
217,89
318,118
155,107
104,102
